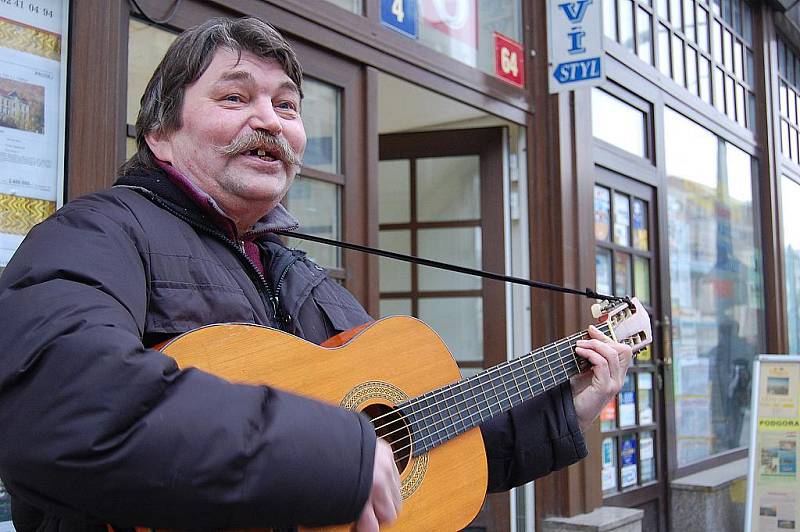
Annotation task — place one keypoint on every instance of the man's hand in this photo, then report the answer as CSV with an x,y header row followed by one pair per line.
x,y
384,500
592,390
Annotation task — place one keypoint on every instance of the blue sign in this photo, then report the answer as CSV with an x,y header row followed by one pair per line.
x,y
578,70
400,15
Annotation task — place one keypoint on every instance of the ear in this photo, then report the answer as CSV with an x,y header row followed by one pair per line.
x,y
161,145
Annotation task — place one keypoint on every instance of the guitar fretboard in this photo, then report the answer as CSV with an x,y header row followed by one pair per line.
x,y
442,414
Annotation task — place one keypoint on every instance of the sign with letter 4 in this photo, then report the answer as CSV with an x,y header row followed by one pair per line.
x,y
575,44
508,60
400,15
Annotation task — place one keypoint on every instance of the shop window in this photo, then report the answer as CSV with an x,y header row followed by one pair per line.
x,y
315,196
790,198
619,123
697,45
716,287
354,6
623,257
467,30
789,99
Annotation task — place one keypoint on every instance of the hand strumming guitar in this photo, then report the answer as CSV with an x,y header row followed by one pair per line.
x,y
384,500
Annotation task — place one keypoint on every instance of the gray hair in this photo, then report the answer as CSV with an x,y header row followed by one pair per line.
x,y
186,60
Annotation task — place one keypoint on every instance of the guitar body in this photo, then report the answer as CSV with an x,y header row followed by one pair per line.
x,y
386,363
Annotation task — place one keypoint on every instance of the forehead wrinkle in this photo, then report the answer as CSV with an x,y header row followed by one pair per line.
x,y
245,76
235,75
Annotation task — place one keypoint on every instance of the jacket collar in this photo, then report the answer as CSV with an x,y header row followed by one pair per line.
x,y
170,185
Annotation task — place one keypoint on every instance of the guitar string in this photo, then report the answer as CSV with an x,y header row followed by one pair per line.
x,y
489,404
450,419
553,355
532,354
489,407
549,358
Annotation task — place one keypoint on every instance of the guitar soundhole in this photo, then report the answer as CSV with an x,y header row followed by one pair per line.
x,y
392,427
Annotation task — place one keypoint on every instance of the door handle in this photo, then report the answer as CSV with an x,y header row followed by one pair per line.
x,y
666,341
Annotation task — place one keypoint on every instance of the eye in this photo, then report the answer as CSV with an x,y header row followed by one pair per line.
x,y
233,98
287,106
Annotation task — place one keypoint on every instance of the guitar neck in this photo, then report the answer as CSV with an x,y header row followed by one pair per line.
x,y
442,414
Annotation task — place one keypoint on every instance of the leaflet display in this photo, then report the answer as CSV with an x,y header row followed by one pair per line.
x,y
773,486
32,108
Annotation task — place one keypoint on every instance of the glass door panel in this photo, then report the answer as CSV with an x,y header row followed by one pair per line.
x,y
436,203
632,424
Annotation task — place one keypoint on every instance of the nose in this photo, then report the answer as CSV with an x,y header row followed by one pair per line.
x,y
264,117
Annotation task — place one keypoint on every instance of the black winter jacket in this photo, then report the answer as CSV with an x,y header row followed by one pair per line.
x,y
98,428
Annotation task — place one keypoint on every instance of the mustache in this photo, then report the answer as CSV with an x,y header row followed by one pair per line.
x,y
260,139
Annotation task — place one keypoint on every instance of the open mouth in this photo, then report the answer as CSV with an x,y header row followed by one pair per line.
x,y
262,154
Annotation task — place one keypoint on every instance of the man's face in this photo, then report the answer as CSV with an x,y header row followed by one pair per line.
x,y
233,99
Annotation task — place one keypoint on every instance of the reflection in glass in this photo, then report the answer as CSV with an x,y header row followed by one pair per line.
x,y
790,199
316,205
677,61
609,457
626,24
394,191
610,19
602,267
629,475
641,274
321,110
640,231
395,307
645,36
664,60
644,383
647,456
448,188
688,20
622,274
691,71
453,245
715,285
354,6
465,30
394,275
622,219
146,46
618,123
602,213
608,416
459,321
702,28
705,79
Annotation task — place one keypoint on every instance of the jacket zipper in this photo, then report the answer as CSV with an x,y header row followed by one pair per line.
x,y
271,299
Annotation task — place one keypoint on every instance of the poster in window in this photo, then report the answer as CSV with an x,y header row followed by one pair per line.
x,y
602,265
451,27
628,471
647,461
602,213
622,219
640,233
609,470
32,104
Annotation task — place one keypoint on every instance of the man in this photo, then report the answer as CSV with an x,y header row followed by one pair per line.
x,y
99,428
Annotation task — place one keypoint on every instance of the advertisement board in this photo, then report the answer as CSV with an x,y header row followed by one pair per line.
x,y
773,486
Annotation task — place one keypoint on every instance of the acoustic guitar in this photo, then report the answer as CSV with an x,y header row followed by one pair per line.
x,y
399,373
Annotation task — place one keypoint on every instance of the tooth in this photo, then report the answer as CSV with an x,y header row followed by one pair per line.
x,y
261,153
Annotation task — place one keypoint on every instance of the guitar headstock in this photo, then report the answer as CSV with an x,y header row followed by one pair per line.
x,y
628,320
